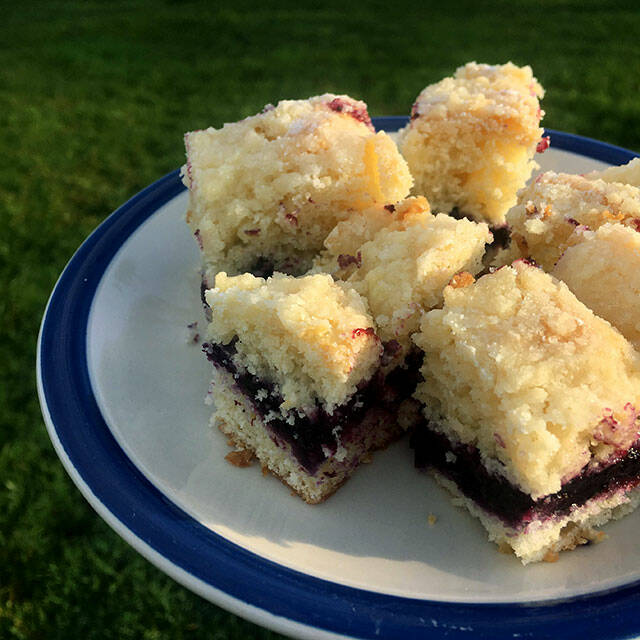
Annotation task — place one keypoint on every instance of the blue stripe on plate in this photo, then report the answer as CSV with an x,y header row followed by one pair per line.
x,y
124,491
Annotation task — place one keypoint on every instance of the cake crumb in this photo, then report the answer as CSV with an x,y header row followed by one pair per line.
x,y
551,556
241,458
598,537
193,335
432,519
265,470
366,458
505,547
462,279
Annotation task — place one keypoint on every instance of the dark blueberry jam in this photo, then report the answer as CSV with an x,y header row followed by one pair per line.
x,y
203,289
498,496
501,237
310,436
262,267
345,259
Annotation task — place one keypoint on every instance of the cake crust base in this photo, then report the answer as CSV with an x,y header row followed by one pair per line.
x,y
544,539
237,418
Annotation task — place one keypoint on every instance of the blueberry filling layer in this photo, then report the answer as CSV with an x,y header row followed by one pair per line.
x,y
311,437
495,494
262,267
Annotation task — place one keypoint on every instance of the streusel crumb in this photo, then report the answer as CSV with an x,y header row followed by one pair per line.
x,y
472,137
602,268
311,336
404,259
554,205
273,185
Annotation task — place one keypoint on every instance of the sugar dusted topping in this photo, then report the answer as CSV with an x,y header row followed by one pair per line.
x,y
516,365
555,204
472,137
603,271
489,91
312,337
404,271
276,183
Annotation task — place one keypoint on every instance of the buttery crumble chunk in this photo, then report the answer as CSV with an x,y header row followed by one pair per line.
x,y
311,336
554,205
472,137
602,269
405,258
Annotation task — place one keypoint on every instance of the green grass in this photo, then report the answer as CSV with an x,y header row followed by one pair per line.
x,y
94,99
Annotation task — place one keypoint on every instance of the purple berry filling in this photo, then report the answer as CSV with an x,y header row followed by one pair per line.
x,y
352,109
345,259
262,267
543,144
496,495
312,436
198,238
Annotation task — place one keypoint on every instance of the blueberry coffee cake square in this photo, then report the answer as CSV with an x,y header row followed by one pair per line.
x,y
530,405
298,378
400,257
472,137
264,192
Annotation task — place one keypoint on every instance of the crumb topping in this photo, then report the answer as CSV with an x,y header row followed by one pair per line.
x,y
551,208
471,139
463,279
602,268
269,186
624,174
405,258
311,336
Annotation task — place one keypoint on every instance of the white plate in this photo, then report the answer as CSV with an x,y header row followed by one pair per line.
x,y
122,393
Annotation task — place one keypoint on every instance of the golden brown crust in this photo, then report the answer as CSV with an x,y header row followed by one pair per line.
x,y
463,279
240,458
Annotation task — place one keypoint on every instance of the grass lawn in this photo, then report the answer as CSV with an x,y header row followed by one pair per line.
x,y
94,99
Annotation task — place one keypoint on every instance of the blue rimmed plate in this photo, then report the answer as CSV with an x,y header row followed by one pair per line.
x,y
122,387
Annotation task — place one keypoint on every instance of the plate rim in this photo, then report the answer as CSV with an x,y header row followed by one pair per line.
x,y
269,594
